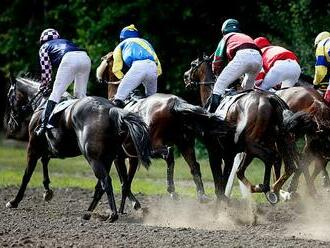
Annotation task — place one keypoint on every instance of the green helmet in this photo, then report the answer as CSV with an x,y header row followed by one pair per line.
x,y
230,25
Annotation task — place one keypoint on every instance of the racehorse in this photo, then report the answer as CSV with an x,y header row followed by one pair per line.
x,y
264,129
90,126
172,121
317,143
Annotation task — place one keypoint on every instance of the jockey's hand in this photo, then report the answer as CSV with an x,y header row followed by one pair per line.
x,y
257,83
327,97
45,89
101,81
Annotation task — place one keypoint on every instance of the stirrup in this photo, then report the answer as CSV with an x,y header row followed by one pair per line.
x,y
40,130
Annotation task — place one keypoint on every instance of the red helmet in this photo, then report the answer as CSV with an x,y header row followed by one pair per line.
x,y
262,42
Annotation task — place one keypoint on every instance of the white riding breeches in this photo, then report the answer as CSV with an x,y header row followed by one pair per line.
x,y
141,71
75,66
246,61
286,72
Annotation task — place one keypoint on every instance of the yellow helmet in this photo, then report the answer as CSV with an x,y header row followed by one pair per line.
x,y
321,36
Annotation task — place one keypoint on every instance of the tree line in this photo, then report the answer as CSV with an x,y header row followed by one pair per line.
x,y
178,30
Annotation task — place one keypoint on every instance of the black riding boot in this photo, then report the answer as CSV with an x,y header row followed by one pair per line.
x,y
215,101
50,105
118,103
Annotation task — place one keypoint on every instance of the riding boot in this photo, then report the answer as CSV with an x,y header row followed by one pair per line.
x,y
118,103
215,101
40,131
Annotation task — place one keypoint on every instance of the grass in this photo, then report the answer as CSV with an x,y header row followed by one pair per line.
x,y
75,172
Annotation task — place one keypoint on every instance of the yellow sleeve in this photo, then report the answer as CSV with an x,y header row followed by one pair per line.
x,y
320,73
118,63
159,67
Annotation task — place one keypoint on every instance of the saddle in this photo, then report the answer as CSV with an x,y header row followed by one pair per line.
x,y
59,108
134,97
229,98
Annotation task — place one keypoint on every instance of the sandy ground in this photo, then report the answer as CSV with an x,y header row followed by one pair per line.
x,y
165,223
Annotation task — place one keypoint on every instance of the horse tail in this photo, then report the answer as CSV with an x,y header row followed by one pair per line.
x,y
299,123
288,124
136,128
199,120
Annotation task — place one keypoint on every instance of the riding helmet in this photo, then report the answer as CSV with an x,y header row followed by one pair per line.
x,y
129,32
321,36
49,34
261,42
230,25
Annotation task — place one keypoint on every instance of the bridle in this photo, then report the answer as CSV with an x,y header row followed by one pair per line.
x,y
194,69
21,112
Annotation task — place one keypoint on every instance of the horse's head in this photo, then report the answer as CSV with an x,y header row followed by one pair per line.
x,y
200,72
104,74
20,106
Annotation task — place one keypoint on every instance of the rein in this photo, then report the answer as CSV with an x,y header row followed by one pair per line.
x,y
194,70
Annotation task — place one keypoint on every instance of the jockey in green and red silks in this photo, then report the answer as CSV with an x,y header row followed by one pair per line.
x,y
139,58
236,55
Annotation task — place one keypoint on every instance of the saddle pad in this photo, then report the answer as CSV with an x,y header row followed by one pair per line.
x,y
53,119
225,104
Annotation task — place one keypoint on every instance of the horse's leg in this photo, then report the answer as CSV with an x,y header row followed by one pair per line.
x,y
32,158
48,193
215,164
188,153
320,165
133,164
101,169
170,173
247,159
325,177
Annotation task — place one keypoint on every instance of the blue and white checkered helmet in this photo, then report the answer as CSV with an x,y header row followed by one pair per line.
x,y
49,34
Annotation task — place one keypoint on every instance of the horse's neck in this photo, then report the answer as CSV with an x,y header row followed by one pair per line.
x,y
29,87
112,90
205,93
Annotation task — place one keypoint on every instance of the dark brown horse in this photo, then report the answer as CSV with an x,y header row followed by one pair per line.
x,y
264,127
91,126
317,142
172,121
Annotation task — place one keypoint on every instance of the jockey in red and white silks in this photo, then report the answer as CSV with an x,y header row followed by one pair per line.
x,y
279,66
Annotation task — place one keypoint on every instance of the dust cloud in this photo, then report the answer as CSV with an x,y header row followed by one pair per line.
x,y
211,216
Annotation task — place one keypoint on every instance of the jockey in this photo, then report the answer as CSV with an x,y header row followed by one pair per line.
x,y
73,64
279,66
235,55
138,57
322,65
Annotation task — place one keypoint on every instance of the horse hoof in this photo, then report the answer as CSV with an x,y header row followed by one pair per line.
x,y
203,198
272,197
174,196
113,218
11,205
48,195
87,216
136,205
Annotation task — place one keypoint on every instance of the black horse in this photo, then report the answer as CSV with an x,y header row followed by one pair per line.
x,y
91,126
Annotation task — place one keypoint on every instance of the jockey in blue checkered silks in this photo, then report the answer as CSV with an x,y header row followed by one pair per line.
x,y
72,63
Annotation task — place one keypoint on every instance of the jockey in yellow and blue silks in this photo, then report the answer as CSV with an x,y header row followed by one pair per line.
x,y
322,64
138,56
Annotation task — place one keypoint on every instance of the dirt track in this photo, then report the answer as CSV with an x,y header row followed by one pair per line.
x,y
184,223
